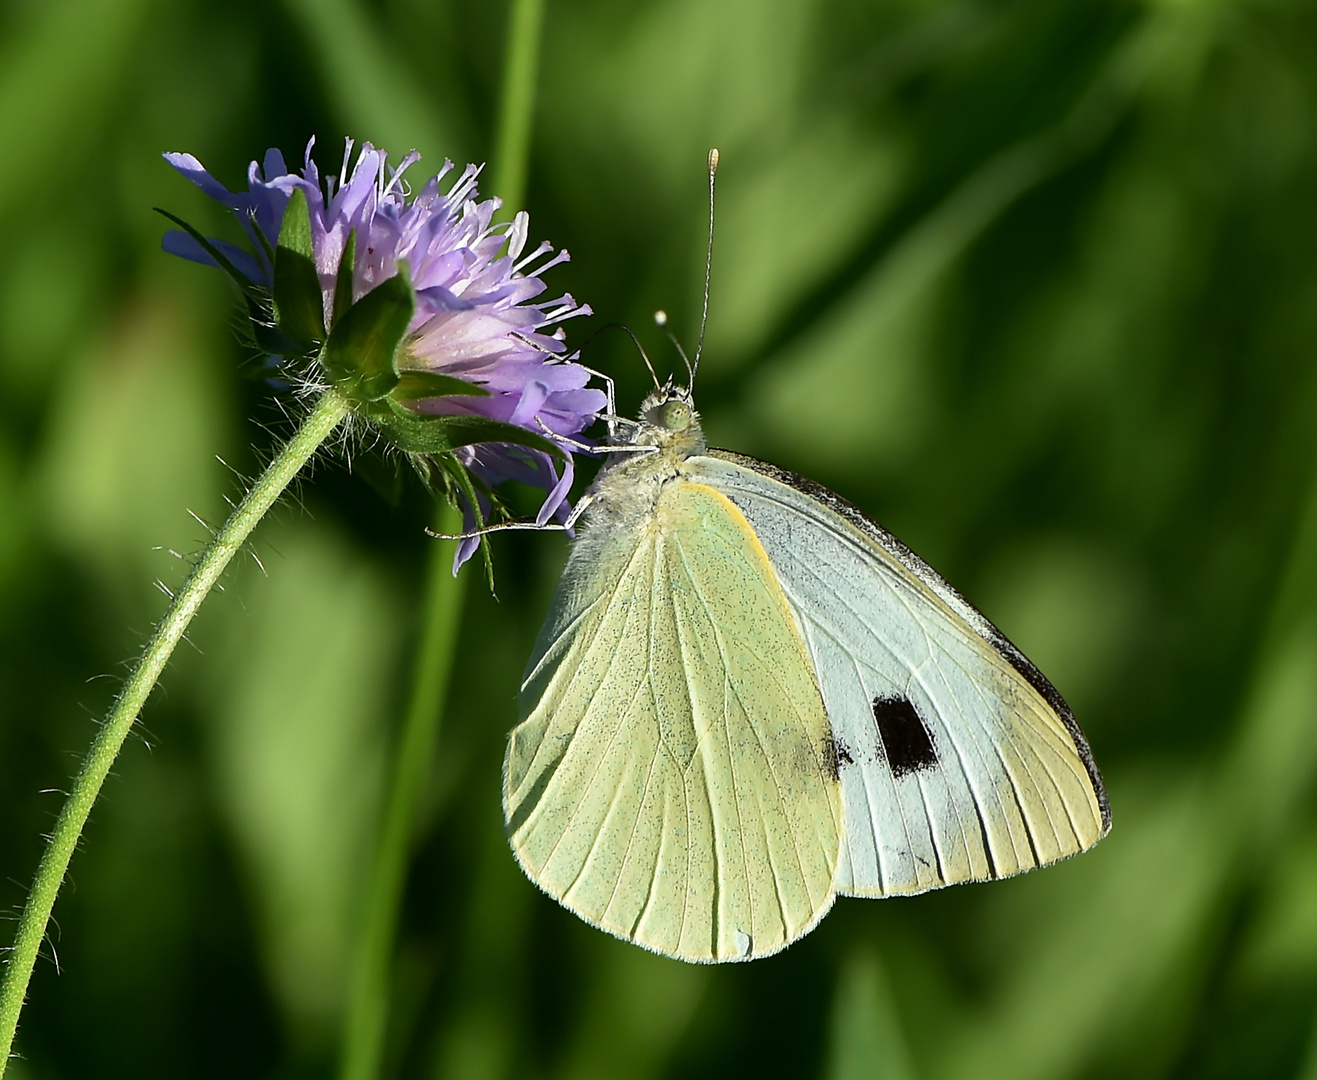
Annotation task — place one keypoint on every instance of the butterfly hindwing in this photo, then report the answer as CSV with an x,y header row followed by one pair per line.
x,y
673,779
957,760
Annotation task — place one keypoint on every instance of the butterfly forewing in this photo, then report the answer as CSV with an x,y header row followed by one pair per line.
x,y
957,760
673,780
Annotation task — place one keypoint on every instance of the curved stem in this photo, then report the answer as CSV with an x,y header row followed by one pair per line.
x,y
325,417
368,1016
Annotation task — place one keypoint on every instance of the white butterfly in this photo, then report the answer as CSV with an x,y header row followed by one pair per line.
x,y
749,699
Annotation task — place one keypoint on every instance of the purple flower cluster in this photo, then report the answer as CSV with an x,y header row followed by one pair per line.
x,y
477,314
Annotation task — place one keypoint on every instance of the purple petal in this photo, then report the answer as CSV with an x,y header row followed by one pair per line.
x,y
436,298
274,164
479,316
555,499
465,549
532,400
177,242
190,167
183,244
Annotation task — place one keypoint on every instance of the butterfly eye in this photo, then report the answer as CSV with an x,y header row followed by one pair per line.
x,y
675,415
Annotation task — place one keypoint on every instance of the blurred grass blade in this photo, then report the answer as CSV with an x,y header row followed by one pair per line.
x,y
517,104
636,1010
368,1008
369,85
298,742
58,71
363,1048
867,1040
885,311
1308,1070
1270,769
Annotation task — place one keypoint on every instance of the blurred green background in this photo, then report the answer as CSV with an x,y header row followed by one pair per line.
x,y
1033,282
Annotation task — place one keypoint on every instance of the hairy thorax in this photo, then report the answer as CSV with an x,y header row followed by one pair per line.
x,y
625,492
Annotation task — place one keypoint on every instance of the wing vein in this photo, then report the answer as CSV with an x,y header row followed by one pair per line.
x,y
599,763
777,784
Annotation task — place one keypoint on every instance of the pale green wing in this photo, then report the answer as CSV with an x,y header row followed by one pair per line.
x,y
958,761
672,781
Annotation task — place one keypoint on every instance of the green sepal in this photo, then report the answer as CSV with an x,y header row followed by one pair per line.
x,y
468,430
416,385
441,434
225,264
265,334
463,478
343,279
359,357
259,233
298,304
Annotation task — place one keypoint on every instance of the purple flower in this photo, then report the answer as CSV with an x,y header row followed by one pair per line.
x,y
477,316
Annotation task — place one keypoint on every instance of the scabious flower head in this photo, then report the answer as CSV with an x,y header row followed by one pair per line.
x,y
477,315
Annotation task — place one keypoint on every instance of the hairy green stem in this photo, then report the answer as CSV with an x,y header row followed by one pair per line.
x,y
324,418
369,1013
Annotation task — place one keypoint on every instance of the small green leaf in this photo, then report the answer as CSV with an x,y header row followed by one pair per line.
x,y
415,385
269,339
359,355
463,478
467,430
259,233
295,231
440,434
298,304
210,249
343,281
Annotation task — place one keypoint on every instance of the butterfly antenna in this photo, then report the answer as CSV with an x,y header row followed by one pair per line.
x,y
708,267
644,356
661,321
634,340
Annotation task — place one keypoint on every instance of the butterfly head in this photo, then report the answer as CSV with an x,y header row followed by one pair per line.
x,y
666,433
670,410
669,423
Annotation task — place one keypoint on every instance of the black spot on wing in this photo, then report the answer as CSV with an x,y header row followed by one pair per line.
x,y
908,745
921,569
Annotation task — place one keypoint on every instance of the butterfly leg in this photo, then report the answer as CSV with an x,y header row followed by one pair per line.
x,y
502,526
